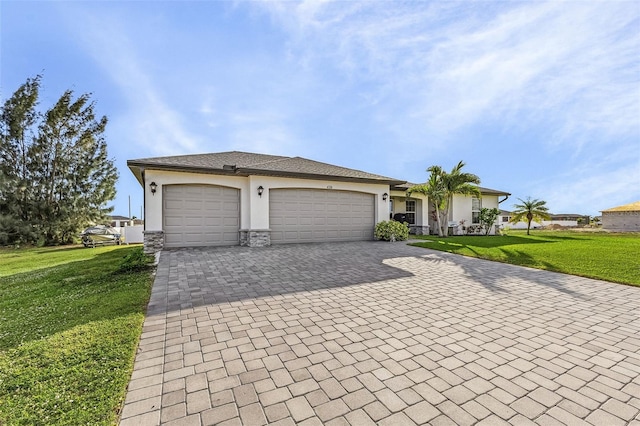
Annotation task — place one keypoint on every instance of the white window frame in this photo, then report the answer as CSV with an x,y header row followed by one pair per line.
x,y
476,206
410,209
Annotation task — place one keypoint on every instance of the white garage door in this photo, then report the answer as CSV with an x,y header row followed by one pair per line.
x,y
312,215
201,215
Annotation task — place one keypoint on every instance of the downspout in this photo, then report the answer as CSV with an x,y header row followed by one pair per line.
x,y
144,201
505,199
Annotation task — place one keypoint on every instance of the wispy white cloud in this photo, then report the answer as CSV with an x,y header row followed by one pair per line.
x,y
560,77
573,66
147,116
391,87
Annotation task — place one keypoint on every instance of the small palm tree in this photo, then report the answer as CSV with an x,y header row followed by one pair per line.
x,y
442,186
434,190
531,210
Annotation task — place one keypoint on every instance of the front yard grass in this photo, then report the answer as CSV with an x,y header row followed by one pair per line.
x,y
69,329
605,256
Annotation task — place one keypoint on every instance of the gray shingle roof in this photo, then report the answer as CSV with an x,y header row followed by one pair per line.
x,y
245,164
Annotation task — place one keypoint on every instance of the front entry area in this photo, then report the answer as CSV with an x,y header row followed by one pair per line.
x,y
320,215
200,215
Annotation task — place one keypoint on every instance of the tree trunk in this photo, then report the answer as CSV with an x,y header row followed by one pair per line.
x,y
438,221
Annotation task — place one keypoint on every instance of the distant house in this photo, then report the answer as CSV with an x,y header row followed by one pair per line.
x,y
622,218
120,221
567,220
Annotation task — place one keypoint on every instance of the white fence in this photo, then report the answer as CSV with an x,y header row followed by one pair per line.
x,y
131,234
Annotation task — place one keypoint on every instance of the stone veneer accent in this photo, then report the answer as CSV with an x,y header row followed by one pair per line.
x,y
153,241
419,230
255,237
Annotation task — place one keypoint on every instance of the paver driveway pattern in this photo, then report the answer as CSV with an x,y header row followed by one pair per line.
x,y
381,333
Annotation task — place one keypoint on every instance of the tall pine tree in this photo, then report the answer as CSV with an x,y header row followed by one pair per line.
x,y
68,175
18,119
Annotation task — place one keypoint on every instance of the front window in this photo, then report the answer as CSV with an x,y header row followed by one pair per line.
x,y
476,205
411,211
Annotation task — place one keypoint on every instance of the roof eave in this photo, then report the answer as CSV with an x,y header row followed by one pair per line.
x,y
137,168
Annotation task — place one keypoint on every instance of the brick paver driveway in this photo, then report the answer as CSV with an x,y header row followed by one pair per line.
x,y
364,333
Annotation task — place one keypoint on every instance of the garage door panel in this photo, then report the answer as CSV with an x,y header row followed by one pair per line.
x,y
289,220
173,204
305,207
200,215
333,221
310,215
212,205
193,237
291,235
231,221
230,238
192,205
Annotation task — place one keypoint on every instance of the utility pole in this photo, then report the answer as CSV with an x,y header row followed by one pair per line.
x,y
129,206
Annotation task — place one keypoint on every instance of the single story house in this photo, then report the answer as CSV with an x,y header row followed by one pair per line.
x,y
566,220
622,218
118,221
240,198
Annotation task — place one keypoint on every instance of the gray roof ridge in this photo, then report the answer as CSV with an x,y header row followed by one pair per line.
x,y
334,165
275,160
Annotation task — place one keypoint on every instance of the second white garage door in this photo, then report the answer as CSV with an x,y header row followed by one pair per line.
x,y
313,215
200,215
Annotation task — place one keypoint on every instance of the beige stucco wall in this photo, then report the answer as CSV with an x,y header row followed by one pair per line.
x,y
254,210
460,209
621,221
422,206
462,205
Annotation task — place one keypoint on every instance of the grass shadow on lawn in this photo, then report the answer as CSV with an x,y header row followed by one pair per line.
x,y
37,304
68,337
486,241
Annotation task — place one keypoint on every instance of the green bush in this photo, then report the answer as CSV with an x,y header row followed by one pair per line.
x,y
136,261
391,230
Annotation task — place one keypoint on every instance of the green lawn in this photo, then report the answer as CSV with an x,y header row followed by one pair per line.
x,y
605,256
69,329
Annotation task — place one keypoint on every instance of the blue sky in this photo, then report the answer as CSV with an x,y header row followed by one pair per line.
x,y
540,99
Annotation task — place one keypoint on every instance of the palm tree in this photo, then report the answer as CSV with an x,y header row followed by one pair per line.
x,y
531,210
434,189
442,186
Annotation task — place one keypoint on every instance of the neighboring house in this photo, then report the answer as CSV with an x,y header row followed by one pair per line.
x,y
239,198
567,220
421,215
130,229
122,221
622,218
119,221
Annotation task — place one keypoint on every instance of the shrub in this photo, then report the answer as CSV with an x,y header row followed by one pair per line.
x,y
488,218
136,261
391,230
